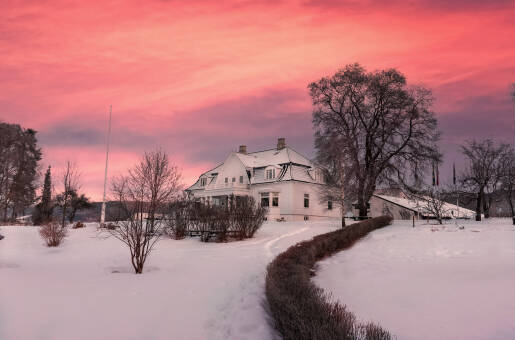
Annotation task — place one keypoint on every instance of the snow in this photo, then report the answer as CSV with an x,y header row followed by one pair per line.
x,y
448,210
430,282
85,289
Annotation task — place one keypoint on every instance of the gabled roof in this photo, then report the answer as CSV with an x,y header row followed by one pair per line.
x,y
291,166
449,210
273,157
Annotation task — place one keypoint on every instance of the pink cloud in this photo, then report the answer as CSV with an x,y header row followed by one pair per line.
x,y
198,78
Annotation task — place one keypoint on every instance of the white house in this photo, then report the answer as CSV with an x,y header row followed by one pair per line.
x,y
281,179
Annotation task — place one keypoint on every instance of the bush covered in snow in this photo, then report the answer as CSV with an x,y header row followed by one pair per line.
x,y
301,310
53,233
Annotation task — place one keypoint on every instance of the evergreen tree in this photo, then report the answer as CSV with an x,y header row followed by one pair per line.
x,y
19,157
46,198
78,202
44,210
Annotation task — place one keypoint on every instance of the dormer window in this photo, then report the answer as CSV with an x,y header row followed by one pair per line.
x,y
203,181
270,174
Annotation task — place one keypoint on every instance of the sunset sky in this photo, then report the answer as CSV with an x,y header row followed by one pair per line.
x,y
199,78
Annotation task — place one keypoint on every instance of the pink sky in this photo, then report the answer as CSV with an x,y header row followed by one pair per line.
x,y
199,78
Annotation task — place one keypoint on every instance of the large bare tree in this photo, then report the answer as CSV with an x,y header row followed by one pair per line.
x,y
484,171
142,195
371,127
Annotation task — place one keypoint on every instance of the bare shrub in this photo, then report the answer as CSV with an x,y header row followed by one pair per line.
x,y
178,221
53,233
239,220
110,226
301,310
78,225
247,217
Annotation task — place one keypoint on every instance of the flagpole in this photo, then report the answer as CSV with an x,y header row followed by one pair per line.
x,y
457,193
103,213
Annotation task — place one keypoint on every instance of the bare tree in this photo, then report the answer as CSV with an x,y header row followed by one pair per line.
x,y
70,181
431,201
484,171
508,178
146,191
371,127
336,179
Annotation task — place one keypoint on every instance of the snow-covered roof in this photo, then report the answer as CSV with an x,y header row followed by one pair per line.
x,y
273,157
289,164
449,210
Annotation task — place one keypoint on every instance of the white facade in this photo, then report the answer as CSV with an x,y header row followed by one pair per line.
x,y
281,179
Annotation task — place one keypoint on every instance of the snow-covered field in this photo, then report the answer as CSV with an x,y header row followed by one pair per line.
x,y
85,289
430,283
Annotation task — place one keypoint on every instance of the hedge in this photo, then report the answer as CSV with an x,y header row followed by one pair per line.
x,y
303,311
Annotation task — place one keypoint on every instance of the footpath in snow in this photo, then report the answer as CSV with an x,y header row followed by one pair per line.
x,y
430,282
85,289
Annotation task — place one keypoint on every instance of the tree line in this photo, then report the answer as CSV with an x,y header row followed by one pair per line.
x,y
20,172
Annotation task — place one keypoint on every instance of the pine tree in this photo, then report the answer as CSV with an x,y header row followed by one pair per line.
x,y
44,210
46,198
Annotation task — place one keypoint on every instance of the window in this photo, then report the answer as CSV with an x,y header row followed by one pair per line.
x,y
306,200
329,205
265,199
226,180
241,179
270,174
275,200
234,179
203,181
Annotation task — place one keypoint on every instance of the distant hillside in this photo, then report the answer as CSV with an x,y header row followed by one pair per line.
x,y
93,214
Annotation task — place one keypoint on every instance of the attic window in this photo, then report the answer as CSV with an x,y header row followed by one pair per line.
x,y
270,174
203,181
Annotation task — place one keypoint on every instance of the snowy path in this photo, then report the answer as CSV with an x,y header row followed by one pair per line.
x,y
190,290
422,284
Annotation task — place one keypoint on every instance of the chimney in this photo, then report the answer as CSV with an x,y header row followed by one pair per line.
x,y
243,149
281,143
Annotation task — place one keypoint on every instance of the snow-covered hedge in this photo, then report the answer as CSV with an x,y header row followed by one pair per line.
x,y
303,311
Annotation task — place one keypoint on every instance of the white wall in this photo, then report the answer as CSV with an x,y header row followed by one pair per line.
x,y
291,201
